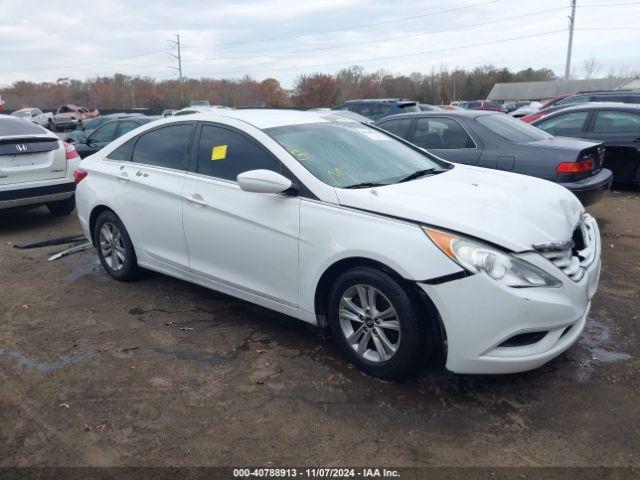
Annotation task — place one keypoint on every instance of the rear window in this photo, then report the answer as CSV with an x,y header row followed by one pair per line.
x,y
18,126
512,129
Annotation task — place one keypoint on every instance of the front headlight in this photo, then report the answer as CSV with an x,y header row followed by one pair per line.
x,y
478,257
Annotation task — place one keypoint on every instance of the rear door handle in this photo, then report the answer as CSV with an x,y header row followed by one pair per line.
x,y
123,177
197,199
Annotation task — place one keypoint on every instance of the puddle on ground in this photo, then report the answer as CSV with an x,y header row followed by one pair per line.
x,y
30,363
82,264
598,340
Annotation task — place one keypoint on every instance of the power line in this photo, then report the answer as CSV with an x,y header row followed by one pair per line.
x,y
375,59
353,27
377,41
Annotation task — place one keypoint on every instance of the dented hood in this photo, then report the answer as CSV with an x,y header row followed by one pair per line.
x,y
507,209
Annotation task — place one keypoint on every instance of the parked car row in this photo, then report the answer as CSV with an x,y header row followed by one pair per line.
x,y
335,211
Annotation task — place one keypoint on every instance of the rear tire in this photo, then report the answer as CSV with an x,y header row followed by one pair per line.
x,y
62,207
115,250
378,324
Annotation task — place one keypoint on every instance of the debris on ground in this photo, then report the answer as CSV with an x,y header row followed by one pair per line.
x,y
75,249
50,241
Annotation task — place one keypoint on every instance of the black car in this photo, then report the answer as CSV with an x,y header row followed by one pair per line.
x,y
622,96
498,141
615,124
84,129
377,108
109,131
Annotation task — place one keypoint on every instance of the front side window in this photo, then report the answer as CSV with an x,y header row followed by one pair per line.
x,y
225,153
345,155
444,133
164,147
569,123
511,129
616,122
105,133
398,127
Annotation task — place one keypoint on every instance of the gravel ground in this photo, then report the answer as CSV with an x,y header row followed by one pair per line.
x,y
161,372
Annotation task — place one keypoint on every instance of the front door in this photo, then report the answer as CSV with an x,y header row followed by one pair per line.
x,y
244,240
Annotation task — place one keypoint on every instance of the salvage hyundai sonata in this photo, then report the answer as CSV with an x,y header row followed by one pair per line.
x,y
340,224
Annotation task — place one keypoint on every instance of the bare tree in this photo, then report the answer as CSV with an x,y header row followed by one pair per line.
x,y
591,67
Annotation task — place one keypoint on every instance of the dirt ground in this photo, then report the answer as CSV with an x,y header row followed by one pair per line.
x,y
160,372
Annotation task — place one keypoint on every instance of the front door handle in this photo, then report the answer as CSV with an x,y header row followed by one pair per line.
x,y
123,177
197,199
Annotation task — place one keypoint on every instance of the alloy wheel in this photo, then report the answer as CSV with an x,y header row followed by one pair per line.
x,y
112,246
369,323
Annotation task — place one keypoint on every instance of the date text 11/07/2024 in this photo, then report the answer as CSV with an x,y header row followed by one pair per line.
x,y
315,473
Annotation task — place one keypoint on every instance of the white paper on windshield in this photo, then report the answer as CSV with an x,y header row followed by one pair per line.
x,y
372,134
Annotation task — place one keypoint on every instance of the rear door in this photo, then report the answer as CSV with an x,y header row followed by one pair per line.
x,y
148,189
446,138
620,132
28,153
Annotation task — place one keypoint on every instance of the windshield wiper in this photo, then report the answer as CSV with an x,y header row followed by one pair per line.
x,y
366,185
420,173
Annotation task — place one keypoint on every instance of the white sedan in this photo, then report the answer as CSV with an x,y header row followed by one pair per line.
x,y
338,223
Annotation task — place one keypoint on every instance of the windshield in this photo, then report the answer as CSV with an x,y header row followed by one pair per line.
x,y
512,129
346,154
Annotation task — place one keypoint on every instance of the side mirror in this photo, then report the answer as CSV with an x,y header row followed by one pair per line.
x,y
263,181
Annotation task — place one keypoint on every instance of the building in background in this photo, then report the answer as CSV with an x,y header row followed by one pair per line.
x,y
541,91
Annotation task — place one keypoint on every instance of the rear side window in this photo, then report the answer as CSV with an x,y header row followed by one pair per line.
x,y
608,98
225,153
164,147
125,127
19,126
569,123
397,127
616,122
574,100
105,133
511,129
443,133
123,152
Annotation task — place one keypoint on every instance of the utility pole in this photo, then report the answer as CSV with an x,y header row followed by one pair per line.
x,y
178,57
572,20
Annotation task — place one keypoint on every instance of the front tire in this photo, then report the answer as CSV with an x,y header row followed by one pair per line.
x,y
378,323
114,247
62,207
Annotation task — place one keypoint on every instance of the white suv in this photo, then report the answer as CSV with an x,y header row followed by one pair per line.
x,y
335,222
36,167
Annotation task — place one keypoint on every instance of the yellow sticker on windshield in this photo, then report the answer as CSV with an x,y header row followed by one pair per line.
x,y
219,152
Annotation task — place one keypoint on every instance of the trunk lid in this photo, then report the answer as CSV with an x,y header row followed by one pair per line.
x,y
30,158
507,209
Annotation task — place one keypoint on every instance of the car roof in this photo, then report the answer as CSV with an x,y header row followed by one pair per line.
x,y
265,118
442,113
601,106
381,100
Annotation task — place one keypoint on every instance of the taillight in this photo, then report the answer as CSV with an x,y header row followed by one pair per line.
x,y
79,175
575,167
71,151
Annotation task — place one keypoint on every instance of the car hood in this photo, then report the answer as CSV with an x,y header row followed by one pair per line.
x,y
507,209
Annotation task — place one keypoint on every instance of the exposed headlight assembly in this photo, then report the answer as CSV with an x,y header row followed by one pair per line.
x,y
478,257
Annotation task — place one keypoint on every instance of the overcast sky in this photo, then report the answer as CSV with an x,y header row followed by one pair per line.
x,y
45,40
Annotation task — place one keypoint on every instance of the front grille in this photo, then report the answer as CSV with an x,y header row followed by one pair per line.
x,y
574,257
